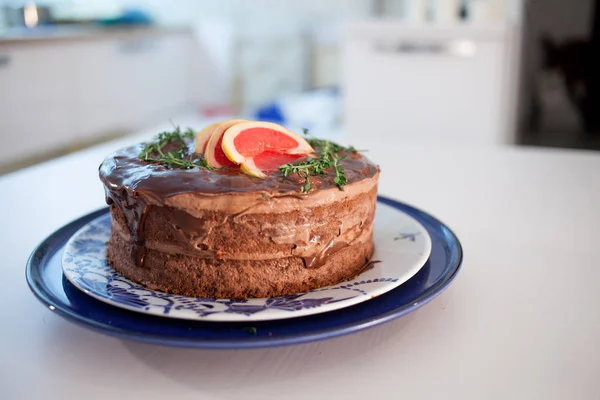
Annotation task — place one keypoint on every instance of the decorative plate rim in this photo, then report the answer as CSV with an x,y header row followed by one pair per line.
x,y
124,293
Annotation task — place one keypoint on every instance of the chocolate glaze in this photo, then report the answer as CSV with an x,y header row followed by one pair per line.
x,y
125,176
124,169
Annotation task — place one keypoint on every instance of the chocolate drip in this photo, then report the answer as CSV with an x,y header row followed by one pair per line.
x,y
135,213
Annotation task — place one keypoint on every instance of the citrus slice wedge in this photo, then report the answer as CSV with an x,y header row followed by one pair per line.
x,y
203,136
215,157
248,139
266,162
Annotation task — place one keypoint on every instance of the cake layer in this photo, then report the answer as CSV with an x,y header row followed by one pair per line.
x,y
208,277
310,233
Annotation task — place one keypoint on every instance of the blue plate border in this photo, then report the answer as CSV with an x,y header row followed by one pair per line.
x,y
45,279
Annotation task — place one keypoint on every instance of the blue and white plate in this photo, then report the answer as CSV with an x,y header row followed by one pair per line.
x,y
48,283
402,246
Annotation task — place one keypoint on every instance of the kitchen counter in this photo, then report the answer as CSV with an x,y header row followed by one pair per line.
x,y
521,320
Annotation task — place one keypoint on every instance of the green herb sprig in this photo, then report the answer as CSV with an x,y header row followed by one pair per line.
x,y
329,157
153,152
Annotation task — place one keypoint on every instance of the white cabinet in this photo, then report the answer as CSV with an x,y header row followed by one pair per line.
x,y
102,88
34,99
122,82
428,84
59,93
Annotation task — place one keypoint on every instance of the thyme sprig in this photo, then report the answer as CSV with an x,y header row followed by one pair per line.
x,y
154,151
329,157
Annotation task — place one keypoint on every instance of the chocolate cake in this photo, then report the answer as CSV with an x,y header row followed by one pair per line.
x,y
225,234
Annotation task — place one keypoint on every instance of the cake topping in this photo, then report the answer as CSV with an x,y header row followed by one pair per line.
x,y
215,157
203,136
260,147
268,161
329,158
170,149
284,161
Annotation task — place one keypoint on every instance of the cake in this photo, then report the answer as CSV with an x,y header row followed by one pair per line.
x,y
182,227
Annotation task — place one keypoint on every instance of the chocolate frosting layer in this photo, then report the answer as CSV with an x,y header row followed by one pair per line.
x,y
125,170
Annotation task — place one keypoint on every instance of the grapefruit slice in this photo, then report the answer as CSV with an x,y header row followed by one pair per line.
x,y
248,139
267,161
203,136
215,157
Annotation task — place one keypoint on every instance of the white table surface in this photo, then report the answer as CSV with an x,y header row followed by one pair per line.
x,y
521,321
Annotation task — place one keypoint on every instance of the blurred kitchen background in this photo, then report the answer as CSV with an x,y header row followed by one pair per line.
x,y
483,72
